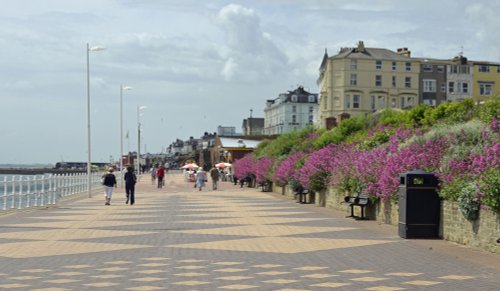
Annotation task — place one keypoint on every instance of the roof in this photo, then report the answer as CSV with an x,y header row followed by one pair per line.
x,y
301,94
228,142
369,53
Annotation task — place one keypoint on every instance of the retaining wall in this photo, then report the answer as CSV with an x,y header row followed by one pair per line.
x,y
481,234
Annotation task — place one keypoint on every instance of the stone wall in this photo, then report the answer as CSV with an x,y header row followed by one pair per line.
x,y
481,234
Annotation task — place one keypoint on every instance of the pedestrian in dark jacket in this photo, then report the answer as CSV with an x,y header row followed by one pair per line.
x,y
130,180
109,181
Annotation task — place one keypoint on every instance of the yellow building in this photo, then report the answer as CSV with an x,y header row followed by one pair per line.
x,y
486,80
360,80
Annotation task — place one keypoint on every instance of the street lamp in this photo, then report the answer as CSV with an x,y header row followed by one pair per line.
x,y
122,88
139,111
89,146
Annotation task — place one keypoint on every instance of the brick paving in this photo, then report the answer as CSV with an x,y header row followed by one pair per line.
x,y
179,238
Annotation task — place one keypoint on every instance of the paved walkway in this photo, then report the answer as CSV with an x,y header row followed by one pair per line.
x,y
178,238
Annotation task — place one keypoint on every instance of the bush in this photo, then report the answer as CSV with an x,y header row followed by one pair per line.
x,y
342,132
451,190
489,185
488,111
469,202
284,144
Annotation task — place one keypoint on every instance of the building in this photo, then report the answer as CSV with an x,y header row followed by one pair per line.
x,y
290,111
227,131
229,149
360,80
486,80
459,79
253,126
432,80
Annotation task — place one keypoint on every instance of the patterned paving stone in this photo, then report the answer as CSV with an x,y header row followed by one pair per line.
x,y
178,238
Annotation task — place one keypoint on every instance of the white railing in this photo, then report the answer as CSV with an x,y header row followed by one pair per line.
x,y
20,192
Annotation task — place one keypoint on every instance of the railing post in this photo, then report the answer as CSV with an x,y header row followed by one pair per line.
x,y
73,183
51,189
13,192
20,192
56,186
4,193
36,193
28,192
42,192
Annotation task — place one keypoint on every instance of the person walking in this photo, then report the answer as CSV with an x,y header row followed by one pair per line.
x,y
130,180
153,175
201,176
160,173
214,174
109,181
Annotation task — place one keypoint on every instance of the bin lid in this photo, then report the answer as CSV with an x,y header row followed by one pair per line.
x,y
417,172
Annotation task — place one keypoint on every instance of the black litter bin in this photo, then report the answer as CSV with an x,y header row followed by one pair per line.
x,y
419,205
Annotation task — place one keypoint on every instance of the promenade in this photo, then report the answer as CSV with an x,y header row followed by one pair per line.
x,y
179,238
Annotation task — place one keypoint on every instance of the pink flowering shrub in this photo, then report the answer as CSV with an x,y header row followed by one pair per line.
x,y
262,169
287,169
244,167
317,168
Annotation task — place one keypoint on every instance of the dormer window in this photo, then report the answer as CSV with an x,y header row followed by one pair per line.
x,y
294,98
312,99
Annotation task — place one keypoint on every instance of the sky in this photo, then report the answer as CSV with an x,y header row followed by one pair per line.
x,y
194,64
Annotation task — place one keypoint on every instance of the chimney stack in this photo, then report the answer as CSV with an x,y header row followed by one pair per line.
x,y
404,52
361,47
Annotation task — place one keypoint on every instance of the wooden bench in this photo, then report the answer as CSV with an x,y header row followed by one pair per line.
x,y
361,200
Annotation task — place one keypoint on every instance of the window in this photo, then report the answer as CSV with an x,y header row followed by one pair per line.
x,y
294,119
440,69
443,87
402,102
394,66
354,64
393,81
372,102
429,85
409,101
378,64
484,69
311,119
451,87
498,69
427,68
378,80
294,108
311,109
464,86
294,98
407,82
393,102
356,99
408,66
464,70
354,79
312,99
485,89
381,102
454,69
347,101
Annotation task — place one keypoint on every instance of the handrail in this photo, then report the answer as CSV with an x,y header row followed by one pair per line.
x,y
30,191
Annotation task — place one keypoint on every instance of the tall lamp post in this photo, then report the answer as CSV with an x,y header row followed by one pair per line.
x,y
139,114
122,88
89,146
